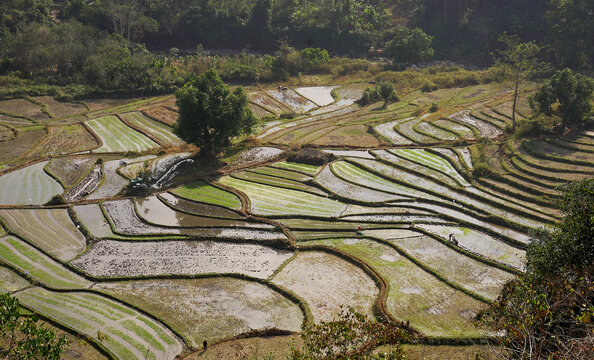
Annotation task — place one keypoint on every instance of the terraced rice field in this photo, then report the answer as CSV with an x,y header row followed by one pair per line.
x,y
110,258
39,267
123,331
211,308
70,170
50,230
415,295
160,132
320,95
28,186
112,184
272,200
18,148
325,282
205,193
267,243
117,137
11,281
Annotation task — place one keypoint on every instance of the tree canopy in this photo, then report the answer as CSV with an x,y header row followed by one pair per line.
x,y
567,94
409,46
210,114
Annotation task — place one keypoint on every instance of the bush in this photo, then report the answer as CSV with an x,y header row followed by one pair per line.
x,y
481,169
428,87
314,56
310,156
409,46
56,200
566,94
434,107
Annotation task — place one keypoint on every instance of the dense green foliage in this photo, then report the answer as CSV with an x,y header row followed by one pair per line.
x,y
210,114
386,90
567,94
547,312
409,46
22,338
103,46
351,336
570,246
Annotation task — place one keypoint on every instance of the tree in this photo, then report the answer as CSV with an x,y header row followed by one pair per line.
x,y
386,90
351,336
569,92
571,32
548,312
210,114
259,25
128,18
409,46
22,338
521,58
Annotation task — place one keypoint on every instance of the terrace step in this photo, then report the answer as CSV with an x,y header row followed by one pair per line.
x,y
517,172
506,190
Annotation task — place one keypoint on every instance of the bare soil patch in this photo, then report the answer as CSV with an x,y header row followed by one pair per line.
x,y
67,139
71,170
23,107
12,150
326,282
351,136
162,114
61,109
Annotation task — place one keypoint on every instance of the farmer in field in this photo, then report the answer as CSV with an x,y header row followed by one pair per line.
x,y
452,239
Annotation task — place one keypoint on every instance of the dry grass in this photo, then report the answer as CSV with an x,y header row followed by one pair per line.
x,y
250,348
12,150
67,139
162,114
61,109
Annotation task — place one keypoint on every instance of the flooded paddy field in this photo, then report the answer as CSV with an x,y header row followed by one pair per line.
x,y
393,221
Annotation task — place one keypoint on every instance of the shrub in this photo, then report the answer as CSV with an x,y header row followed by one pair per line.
x,y
481,169
434,107
310,156
428,87
566,94
56,200
409,46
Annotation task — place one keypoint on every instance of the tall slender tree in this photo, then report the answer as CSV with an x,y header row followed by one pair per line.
x,y
521,57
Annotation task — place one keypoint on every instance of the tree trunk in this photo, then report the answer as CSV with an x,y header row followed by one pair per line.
x,y
515,100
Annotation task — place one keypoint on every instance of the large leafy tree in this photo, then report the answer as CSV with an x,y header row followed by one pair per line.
x,y
567,94
548,312
210,114
409,46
